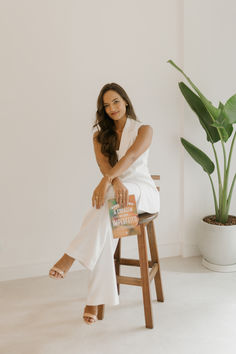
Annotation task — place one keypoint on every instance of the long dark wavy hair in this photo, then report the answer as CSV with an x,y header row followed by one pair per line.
x,y
107,135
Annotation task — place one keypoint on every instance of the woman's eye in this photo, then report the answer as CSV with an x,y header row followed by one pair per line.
x,y
114,102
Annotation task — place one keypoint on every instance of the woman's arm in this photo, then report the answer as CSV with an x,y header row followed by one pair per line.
x,y
104,165
140,145
102,160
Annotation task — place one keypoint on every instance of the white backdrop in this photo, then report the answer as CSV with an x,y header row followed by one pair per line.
x,y
56,56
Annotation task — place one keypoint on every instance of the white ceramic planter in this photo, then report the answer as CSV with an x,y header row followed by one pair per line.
x,y
217,245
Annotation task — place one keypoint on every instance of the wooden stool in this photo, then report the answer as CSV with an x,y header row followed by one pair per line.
x,y
145,221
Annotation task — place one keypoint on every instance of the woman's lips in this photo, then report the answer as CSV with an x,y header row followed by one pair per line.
x,y
114,113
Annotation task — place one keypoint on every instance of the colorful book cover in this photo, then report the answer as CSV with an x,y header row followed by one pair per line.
x,y
124,220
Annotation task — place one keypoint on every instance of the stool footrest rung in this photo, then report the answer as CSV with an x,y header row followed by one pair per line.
x,y
129,280
132,262
121,279
153,271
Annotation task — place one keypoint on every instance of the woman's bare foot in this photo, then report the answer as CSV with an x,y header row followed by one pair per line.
x,y
93,310
64,264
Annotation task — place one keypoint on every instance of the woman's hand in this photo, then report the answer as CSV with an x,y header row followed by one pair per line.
x,y
99,193
121,192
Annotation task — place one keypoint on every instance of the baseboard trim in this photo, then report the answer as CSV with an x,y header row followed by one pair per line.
x,y
189,250
42,268
30,270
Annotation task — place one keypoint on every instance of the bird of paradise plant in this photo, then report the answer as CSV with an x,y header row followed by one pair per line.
x,y
218,125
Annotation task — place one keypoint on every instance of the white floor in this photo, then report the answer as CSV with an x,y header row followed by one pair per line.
x,y
44,316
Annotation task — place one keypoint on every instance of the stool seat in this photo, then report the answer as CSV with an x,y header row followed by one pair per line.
x,y
146,217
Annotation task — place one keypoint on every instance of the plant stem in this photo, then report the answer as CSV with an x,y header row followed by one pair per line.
x,y
228,166
223,213
230,153
215,200
230,193
218,172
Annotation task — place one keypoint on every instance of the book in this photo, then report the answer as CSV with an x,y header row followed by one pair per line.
x,y
124,220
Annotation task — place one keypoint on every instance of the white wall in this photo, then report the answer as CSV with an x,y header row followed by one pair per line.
x,y
56,56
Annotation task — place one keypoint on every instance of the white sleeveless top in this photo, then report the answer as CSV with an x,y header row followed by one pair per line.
x,y
138,173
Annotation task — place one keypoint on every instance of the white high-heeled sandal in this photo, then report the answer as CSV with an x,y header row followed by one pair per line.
x,y
90,315
98,316
61,272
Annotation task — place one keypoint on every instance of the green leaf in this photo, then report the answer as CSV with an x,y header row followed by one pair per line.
x,y
222,124
199,156
213,111
230,110
198,107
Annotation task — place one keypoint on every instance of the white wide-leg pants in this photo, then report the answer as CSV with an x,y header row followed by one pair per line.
x,y
94,248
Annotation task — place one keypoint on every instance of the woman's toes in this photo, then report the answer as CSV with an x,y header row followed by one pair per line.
x,y
55,274
93,311
91,320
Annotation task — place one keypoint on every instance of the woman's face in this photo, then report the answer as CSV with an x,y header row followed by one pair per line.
x,y
114,105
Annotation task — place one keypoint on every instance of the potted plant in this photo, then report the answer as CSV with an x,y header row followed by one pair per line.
x,y
217,239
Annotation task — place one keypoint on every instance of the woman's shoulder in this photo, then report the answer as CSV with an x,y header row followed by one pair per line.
x,y
141,125
145,131
95,134
95,137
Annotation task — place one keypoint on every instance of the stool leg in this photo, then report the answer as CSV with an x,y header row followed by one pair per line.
x,y
155,258
101,309
117,262
142,246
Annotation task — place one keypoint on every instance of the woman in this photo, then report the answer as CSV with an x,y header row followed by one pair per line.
x,y
121,146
